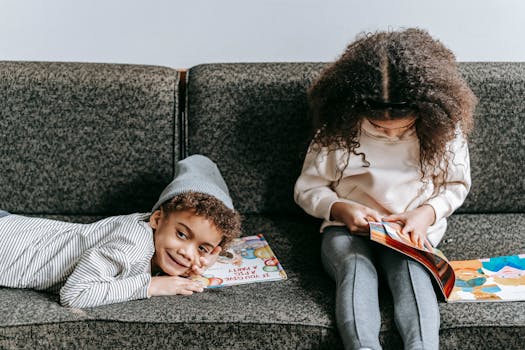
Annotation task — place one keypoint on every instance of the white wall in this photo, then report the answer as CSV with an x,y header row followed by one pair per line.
x,y
185,33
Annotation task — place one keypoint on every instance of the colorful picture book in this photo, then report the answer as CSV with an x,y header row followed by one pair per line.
x,y
247,260
500,278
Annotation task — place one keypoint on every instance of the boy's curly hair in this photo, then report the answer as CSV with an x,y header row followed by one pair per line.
x,y
227,221
407,66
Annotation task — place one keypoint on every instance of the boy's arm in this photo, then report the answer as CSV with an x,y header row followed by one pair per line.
x,y
104,275
173,285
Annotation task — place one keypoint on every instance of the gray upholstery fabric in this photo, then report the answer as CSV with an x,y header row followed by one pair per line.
x,y
497,145
252,120
85,138
296,313
89,140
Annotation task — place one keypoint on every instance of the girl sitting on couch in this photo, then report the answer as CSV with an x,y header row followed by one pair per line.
x,y
391,118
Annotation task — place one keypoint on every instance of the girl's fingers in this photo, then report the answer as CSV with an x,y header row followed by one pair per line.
x,y
405,230
359,224
373,215
362,222
413,236
394,217
420,242
428,245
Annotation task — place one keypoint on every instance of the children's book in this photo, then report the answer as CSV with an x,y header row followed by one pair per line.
x,y
500,278
247,260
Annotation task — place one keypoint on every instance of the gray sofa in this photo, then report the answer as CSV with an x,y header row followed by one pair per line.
x,y
84,141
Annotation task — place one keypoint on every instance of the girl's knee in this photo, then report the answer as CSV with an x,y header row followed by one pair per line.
x,y
356,265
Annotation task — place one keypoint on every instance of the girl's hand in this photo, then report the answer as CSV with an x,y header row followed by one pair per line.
x,y
354,216
205,262
173,285
415,224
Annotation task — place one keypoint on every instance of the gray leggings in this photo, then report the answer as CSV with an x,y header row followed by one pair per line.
x,y
349,260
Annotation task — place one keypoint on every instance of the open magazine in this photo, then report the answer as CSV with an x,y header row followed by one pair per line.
x,y
247,260
500,278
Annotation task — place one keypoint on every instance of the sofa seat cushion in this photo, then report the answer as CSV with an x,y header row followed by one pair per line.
x,y
296,313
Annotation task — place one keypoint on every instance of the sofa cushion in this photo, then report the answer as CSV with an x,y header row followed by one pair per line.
x,y
85,138
497,145
295,313
252,120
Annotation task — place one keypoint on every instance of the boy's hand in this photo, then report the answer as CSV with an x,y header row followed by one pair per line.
x,y
354,216
205,262
415,223
173,285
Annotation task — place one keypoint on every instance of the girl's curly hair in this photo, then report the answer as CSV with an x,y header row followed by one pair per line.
x,y
227,221
407,66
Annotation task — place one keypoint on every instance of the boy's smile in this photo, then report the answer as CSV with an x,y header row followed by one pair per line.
x,y
180,239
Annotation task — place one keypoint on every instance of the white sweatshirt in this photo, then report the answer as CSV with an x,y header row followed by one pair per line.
x,y
105,262
390,185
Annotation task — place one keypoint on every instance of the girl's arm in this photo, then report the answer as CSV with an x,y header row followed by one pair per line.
x,y
417,221
314,194
451,196
105,275
312,190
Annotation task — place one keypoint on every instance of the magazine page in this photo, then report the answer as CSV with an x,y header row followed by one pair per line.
x,y
247,260
500,278
389,234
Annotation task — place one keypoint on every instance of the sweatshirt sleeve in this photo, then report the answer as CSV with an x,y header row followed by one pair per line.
x,y
104,275
451,196
313,189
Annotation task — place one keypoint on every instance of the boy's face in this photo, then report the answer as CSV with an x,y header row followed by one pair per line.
x,y
181,238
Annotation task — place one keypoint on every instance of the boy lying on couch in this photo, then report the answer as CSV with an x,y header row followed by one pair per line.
x,y
125,257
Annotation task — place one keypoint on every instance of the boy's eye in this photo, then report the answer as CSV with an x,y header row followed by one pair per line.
x,y
203,249
181,235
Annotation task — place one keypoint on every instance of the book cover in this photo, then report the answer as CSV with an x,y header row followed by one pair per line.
x,y
433,259
247,260
500,278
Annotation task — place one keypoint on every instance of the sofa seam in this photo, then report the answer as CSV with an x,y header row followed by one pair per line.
x,y
334,327
181,118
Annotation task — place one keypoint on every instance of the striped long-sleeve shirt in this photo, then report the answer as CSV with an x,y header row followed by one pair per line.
x,y
88,264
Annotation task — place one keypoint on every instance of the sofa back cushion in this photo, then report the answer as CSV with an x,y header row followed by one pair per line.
x,y
497,144
80,138
252,120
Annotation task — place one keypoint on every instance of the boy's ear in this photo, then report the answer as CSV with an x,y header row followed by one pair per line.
x,y
154,219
